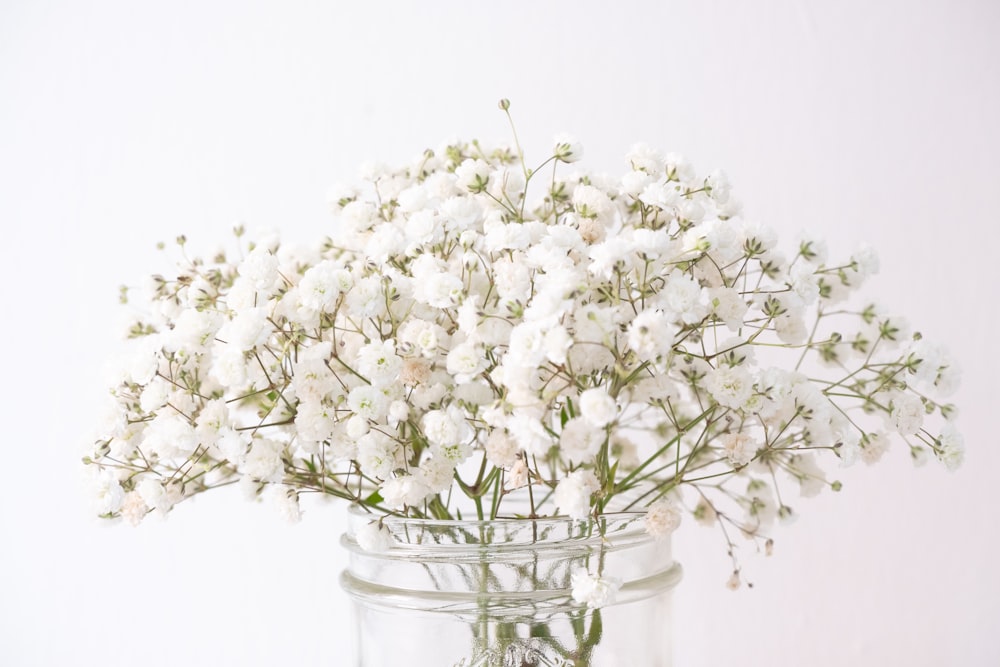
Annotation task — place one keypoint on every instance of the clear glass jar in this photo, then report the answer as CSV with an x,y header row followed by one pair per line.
x,y
499,593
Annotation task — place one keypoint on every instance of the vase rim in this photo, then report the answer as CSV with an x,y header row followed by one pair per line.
x,y
360,512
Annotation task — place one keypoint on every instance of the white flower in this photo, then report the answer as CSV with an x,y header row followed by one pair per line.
x,y
526,348
651,334
413,199
340,194
759,238
530,435
365,298
730,386
501,449
357,426
193,330
510,236
473,175
761,508
374,537
263,461
791,330
634,182
810,476
580,441
461,212
556,344
241,295
681,296
399,411
357,217
513,278
415,372
804,282
247,330
718,183
444,427
142,359
906,413
655,389
566,148
154,495
572,494
950,448
643,158
873,447
377,455
465,361
593,591
133,509
286,499
517,477
440,290
660,194
662,518
169,435
437,473
403,490
865,263
213,418
322,285
727,304
948,379
678,168
740,448
155,395
379,363
849,449
590,202
108,493
314,420
425,336
260,268
232,445
368,402
610,254
598,407
507,183
467,317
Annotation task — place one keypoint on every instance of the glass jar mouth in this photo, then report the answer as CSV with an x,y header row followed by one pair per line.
x,y
506,537
359,511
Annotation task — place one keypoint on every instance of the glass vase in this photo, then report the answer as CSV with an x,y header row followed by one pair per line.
x,y
499,593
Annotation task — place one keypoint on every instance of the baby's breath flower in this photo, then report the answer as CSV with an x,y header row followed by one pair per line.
x,y
374,537
572,496
730,386
518,475
108,493
950,447
662,518
567,148
286,499
594,591
471,329
739,448
597,407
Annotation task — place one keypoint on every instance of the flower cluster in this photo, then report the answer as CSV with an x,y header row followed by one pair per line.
x,y
613,343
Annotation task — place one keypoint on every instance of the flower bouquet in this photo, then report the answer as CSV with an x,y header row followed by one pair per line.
x,y
482,339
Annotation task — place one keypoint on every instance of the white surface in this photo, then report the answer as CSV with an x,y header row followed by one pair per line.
x,y
126,123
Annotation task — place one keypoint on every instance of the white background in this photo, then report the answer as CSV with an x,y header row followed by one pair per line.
x,y
126,123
